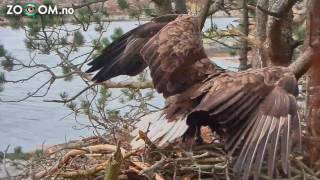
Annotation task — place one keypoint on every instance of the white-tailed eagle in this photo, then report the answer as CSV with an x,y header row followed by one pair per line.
x,y
254,111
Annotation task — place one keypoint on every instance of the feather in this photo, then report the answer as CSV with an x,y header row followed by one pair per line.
x,y
244,111
239,108
122,56
182,129
298,122
263,148
274,147
238,166
210,101
237,138
238,97
145,122
177,131
259,136
285,138
159,129
236,118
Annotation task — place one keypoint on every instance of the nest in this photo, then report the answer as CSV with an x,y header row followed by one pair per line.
x,y
101,158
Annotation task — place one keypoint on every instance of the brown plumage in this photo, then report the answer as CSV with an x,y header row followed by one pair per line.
x,y
255,111
122,56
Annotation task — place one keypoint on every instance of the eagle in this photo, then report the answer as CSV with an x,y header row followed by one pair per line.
x,y
255,111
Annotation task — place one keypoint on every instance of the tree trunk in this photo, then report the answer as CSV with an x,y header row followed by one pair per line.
x,y
311,58
314,106
279,42
244,26
163,7
203,14
180,6
261,31
314,90
274,30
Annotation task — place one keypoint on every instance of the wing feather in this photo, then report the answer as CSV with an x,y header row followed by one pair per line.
x,y
252,115
285,149
274,147
255,152
263,148
238,166
122,56
172,51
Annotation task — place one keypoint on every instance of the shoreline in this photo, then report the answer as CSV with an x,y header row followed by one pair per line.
x,y
4,22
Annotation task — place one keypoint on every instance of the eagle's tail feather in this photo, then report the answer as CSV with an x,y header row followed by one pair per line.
x,y
159,129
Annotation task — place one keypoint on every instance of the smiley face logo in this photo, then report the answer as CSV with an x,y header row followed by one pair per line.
x,y
30,9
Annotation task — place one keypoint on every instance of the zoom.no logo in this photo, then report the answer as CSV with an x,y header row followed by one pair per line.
x,y
32,9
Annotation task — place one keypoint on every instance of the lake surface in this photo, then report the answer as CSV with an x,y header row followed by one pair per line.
x,y
33,122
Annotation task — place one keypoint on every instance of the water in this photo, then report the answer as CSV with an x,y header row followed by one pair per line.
x,y
33,122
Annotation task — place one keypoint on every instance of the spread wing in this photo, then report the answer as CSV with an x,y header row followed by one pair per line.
x,y
257,117
122,57
178,64
255,111
172,52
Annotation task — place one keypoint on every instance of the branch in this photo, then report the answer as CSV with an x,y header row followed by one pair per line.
x,y
73,98
296,44
220,42
4,162
204,12
303,63
78,152
74,6
266,11
133,85
33,94
155,166
84,173
282,11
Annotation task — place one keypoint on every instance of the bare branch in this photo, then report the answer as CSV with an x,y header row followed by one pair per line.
x,y
303,63
4,162
133,85
33,94
78,6
73,98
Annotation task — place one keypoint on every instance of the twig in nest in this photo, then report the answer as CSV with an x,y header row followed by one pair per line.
x,y
145,138
305,168
78,152
158,177
149,171
4,162
141,165
82,173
